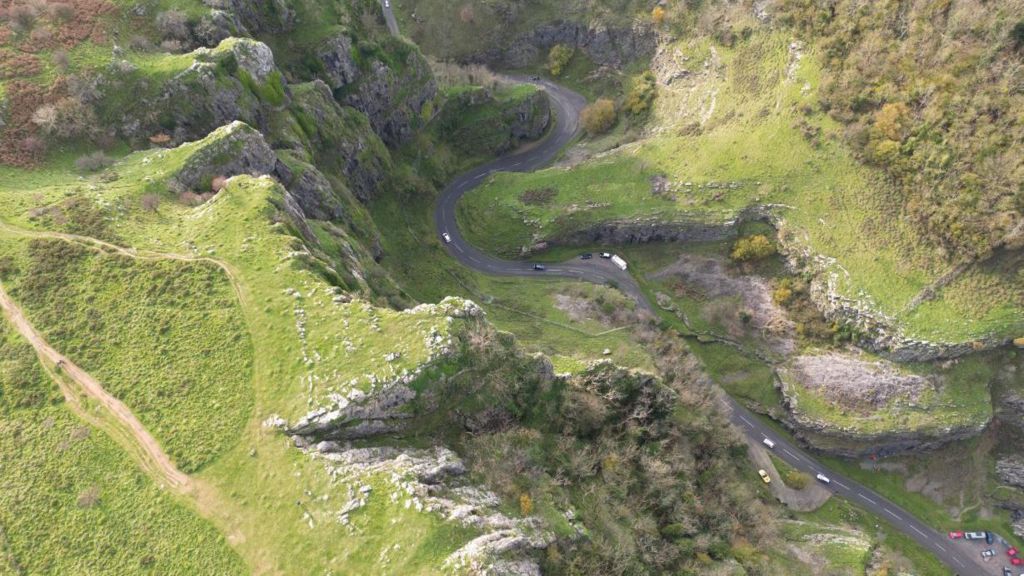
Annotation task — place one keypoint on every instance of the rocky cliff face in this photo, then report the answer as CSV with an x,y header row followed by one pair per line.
x,y
606,46
391,96
478,122
854,407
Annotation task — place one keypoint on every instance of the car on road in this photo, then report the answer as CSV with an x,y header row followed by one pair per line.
x,y
606,255
586,256
1016,561
974,535
822,478
1011,551
988,553
764,476
956,535
387,3
768,443
539,267
447,238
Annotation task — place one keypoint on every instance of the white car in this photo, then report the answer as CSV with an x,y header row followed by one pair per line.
x,y
387,3
447,238
822,478
768,443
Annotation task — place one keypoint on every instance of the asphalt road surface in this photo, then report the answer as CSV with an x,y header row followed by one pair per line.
x,y
960,557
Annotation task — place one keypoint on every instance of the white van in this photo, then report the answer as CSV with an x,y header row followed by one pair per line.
x,y
768,443
618,261
822,478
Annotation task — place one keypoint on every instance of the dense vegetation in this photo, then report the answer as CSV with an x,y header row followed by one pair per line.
x,y
949,132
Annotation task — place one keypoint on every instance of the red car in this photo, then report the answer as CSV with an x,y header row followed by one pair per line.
x,y
1016,561
1011,552
956,535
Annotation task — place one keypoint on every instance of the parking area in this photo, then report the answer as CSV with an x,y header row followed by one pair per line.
x,y
994,553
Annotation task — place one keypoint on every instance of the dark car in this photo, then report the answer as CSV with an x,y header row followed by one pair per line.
x,y
1007,572
539,267
988,537
586,256
535,78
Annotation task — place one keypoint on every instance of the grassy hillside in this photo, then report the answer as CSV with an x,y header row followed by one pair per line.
x,y
750,136
72,502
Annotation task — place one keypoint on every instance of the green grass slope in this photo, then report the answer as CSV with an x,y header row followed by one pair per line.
x,y
71,502
744,132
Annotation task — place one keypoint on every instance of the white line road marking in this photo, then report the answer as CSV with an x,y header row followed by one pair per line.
x,y
744,418
940,547
514,165
866,498
457,247
918,531
786,450
957,560
891,513
841,485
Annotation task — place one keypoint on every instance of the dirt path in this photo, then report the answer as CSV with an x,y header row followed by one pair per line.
x,y
91,387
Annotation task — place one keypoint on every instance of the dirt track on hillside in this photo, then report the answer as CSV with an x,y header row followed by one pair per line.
x,y
152,452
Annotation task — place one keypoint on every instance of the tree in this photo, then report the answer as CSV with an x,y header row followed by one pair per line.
x,y
658,15
598,117
558,58
750,248
641,94
525,504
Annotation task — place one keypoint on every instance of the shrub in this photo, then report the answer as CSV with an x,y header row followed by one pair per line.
x,y
525,504
796,479
218,184
558,58
598,117
658,15
751,248
1017,36
538,196
61,60
93,162
150,202
641,94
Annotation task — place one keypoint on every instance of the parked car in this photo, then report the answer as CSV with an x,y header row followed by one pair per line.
x,y
1017,561
1012,551
586,256
764,476
535,78
447,238
988,537
606,255
822,478
539,267
768,443
974,535
988,553
1007,572
956,535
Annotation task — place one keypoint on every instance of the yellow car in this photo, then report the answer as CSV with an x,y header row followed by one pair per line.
x,y
764,476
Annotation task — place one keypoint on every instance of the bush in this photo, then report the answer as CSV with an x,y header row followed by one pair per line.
x,y
658,15
150,202
558,58
642,94
751,248
796,479
1017,36
598,117
93,162
538,196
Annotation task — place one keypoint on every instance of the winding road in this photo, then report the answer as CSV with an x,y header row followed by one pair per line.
x,y
959,556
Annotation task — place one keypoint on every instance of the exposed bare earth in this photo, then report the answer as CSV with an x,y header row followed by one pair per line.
x,y
856,383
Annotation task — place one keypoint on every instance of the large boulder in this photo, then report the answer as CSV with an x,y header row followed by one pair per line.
x,y
258,16
339,67
229,151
